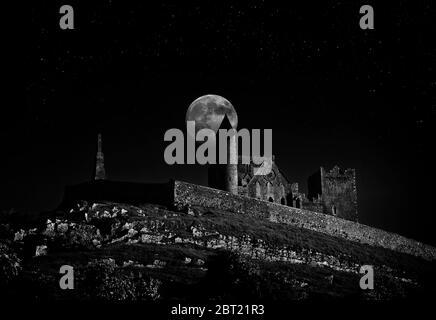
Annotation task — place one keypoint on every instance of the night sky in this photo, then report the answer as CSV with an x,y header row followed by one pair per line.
x,y
331,92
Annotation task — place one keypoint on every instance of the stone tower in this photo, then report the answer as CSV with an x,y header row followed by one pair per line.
x,y
225,176
100,173
337,191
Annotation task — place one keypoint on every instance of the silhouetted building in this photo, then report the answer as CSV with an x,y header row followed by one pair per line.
x,y
273,187
330,192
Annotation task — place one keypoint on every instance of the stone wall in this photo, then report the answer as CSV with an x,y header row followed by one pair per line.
x,y
312,206
186,194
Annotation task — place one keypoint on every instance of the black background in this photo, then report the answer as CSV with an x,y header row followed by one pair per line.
x,y
331,92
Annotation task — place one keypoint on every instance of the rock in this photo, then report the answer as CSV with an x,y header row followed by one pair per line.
x,y
128,263
157,264
149,238
127,226
84,206
50,225
9,264
199,262
82,236
187,260
145,230
131,233
191,211
41,251
19,235
131,263
49,229
196,232
62,227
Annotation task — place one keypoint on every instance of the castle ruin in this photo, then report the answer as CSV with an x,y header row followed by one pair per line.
x,y
330,208
330,192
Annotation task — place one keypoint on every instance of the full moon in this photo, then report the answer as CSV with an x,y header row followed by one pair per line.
x,y
208,112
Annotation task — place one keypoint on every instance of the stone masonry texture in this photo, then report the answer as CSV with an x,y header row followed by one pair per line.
x,y
187,195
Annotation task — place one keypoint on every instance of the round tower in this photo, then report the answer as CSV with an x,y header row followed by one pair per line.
x,y
231,174
224,176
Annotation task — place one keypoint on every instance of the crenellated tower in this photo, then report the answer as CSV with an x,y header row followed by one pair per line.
x,y
336,188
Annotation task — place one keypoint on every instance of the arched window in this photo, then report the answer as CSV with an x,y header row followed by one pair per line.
x,y
270,199
258,191
297,203
334,210
283,201
269,187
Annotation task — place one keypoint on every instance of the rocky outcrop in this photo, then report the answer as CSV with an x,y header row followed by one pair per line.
x,y
10,264
149,252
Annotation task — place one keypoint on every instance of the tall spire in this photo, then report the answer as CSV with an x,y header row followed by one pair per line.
x,y
100,173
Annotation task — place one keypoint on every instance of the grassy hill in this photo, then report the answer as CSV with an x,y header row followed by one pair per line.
x,y
152,253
